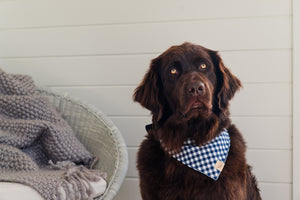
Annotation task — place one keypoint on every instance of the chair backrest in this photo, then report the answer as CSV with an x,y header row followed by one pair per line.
x,y
98,134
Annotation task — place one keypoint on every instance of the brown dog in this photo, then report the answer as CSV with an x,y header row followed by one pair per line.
x,y
187,89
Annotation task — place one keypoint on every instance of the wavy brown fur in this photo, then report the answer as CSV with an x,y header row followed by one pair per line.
x,y
190,102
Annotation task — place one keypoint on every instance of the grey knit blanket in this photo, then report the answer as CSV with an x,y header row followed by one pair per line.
x,y
37,146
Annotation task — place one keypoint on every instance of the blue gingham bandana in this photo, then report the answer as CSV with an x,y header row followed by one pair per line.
x,y
208,159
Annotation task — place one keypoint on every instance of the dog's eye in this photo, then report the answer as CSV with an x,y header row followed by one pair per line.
x,y
203,66
174,71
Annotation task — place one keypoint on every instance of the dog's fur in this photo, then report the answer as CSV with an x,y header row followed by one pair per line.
x,y
187,89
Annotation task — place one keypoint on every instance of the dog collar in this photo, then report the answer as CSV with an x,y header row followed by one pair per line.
x,y
208,159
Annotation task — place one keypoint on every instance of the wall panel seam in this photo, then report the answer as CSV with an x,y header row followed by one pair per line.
x,y
141,22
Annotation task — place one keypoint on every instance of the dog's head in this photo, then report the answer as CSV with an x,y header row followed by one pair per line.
x,y
188,81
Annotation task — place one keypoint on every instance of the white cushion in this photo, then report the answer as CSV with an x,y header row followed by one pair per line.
x,y
16,191
11,191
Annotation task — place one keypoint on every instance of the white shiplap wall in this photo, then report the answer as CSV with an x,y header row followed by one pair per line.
x,y
296,99
99,51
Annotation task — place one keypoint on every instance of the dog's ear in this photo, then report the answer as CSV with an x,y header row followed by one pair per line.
x,y
227,84
149,92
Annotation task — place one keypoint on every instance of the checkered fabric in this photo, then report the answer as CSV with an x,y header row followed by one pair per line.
x,y
208,159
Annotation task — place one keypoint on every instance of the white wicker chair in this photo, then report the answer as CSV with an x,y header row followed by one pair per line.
x,y
98,134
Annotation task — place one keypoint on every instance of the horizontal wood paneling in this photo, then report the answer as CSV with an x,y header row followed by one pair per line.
x,y
276,191
86,70
249,33
269,191
263,99
260,66
34,13
266,132
254,100
248,66
296,99
271,165
132,128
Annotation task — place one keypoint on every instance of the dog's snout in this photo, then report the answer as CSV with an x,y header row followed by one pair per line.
x,y
196,88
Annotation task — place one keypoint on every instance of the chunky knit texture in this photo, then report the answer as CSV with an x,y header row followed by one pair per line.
x,y
38,147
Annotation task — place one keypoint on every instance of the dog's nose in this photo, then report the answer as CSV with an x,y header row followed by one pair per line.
x,y
196,88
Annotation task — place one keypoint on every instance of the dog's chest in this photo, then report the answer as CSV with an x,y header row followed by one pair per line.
x,y
182,182
169,176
